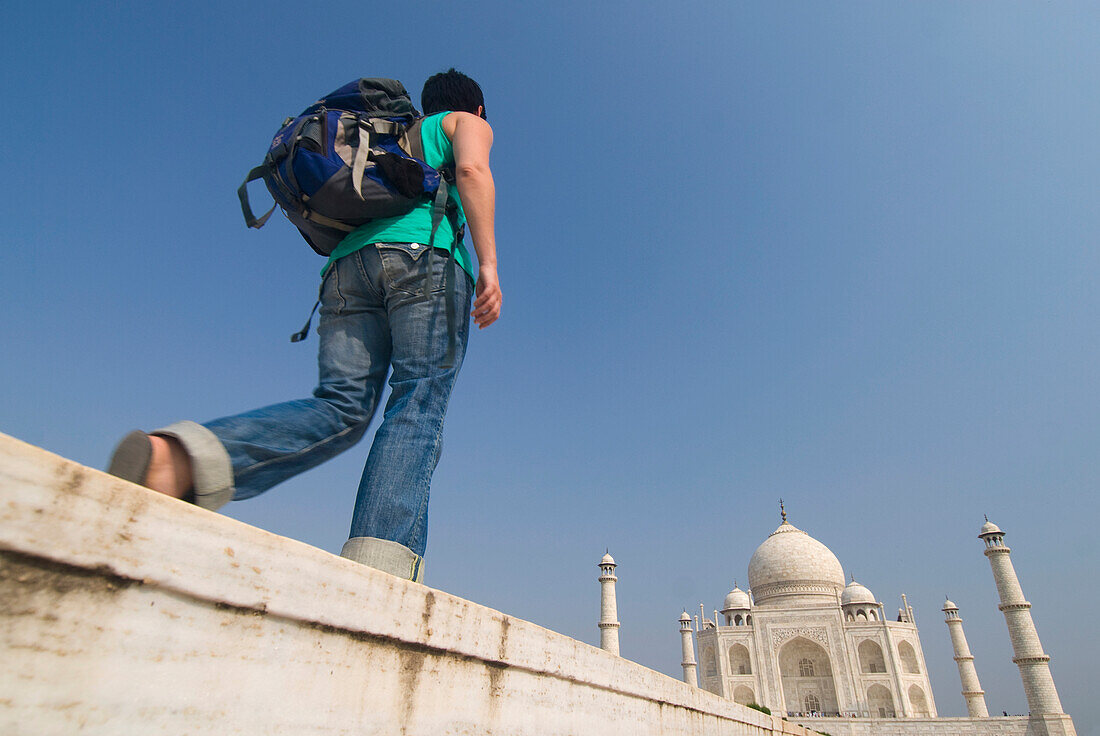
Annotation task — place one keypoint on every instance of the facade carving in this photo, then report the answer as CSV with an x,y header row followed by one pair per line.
x,y
817,633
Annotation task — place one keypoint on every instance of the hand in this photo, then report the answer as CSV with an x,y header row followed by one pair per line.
x,y
487,304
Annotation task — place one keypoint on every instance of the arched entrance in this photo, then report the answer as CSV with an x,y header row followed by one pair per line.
x,y
739,660
870,657
908,658
710,664
807,677
918,702
880,702
743,695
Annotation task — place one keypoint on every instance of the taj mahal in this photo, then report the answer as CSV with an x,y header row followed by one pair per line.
x,y
822,651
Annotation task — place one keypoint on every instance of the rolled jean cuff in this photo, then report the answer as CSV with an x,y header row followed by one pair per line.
x,y
384,555
211,469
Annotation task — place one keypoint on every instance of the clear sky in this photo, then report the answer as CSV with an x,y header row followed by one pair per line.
x,y
839,253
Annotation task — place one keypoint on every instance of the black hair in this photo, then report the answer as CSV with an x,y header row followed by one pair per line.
x,y
451,91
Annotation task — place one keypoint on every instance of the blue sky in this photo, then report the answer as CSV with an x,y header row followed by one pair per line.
x,y
842,253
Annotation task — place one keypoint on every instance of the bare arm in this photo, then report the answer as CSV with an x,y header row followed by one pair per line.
x,y
472,139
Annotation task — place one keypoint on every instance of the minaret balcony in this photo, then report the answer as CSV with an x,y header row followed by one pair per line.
x,y
1021,606
1034,659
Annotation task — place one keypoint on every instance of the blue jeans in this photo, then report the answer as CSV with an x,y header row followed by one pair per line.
x,y
373,316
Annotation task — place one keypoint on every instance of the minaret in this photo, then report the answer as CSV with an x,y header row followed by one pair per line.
x,y
609,614
688,663
971,688
1042,698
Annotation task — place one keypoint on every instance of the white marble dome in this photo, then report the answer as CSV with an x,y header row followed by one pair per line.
x,y
791,565
608,560
736,599
856,593
990,528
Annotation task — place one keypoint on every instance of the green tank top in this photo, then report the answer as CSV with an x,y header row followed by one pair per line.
x,y
415,226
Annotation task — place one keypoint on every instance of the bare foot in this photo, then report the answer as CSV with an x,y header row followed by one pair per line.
x,y
169,469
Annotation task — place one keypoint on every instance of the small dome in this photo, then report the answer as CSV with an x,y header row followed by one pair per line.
x,y
736,599
684,616
990,528
791,564
856,593
607,560
948,605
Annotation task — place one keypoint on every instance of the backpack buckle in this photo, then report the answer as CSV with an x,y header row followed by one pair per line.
x,y
386,127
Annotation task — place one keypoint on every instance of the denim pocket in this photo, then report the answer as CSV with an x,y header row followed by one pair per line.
x,y
413,250
332,299
405,266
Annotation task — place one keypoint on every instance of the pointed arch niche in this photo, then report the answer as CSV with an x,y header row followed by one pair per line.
x,y
918,702
710,664
870,657
908,657
805,670
880,702
739,660
743,695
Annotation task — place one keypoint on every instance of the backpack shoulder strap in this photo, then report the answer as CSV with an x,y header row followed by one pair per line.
x,y
414,145
411,141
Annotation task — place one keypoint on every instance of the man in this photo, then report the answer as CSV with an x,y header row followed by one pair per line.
x,y
373,316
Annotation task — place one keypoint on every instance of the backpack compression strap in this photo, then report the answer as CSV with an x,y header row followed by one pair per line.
x,y
362,151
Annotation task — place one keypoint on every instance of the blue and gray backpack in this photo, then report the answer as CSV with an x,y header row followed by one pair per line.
x,y
351,157
354,156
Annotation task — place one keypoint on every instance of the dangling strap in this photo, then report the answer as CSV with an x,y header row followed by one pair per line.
x,y
439,211
449,293
246,208
304,332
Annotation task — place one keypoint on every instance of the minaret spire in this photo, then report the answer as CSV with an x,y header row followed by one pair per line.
x,y
971,689
609,614
1042,698
688,650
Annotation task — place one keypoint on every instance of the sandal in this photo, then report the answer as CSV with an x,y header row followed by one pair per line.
x,y
132,457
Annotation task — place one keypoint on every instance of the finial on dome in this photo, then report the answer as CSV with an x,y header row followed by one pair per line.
x,y
986,516
782,511
852,576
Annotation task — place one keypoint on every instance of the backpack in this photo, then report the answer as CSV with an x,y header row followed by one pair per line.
x,y
354,156
345,160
